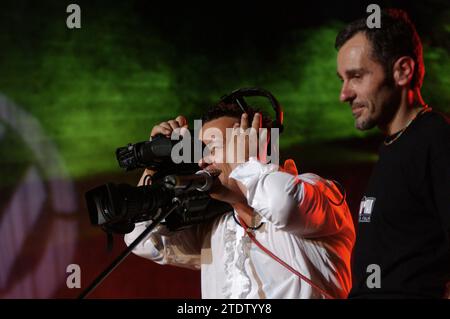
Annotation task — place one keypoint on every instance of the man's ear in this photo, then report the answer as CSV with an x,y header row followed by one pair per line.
x,y
403,71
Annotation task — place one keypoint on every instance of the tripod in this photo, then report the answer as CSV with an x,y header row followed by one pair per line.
x,y
158,219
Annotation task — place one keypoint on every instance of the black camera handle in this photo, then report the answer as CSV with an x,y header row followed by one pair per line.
x,y
156,221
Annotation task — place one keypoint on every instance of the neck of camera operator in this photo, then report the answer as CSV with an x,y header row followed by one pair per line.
x,y
247,214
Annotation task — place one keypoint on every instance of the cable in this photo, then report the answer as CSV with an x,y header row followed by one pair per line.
x,y
252,228
280,261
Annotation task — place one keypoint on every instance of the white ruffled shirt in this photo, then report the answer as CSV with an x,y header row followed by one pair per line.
x,y
300,225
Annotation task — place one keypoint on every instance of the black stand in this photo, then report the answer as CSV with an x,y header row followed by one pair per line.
x,y
126,252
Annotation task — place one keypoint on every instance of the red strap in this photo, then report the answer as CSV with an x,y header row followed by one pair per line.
x,y
273,256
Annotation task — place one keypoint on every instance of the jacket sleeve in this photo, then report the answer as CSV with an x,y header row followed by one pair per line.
x,y
306,204
178,248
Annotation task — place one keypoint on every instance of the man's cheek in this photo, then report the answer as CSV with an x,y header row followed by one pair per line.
x,y
222,156
234,152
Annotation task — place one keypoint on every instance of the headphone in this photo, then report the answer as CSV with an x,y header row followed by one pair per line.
x,y
238,97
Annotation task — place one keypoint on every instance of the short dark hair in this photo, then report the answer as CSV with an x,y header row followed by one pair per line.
x,y
222,109
397,37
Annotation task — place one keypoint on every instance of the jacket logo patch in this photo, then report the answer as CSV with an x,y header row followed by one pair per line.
x,y
365,209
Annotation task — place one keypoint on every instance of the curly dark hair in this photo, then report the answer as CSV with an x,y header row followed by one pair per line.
x,y
397,37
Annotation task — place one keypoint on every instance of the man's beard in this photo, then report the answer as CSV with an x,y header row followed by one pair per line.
x,y
387,109
365,124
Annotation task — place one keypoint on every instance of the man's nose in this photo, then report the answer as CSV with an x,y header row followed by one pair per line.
x,y
347,94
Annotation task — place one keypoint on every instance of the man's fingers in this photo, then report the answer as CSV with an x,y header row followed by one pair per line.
x,y
184,130
244,121
166,128
263,135
173,124
162,128
257,121
181,120
262,145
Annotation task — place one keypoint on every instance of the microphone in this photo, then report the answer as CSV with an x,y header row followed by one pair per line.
x,y
201,181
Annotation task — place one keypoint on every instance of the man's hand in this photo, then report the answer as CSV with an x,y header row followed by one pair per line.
x,y
245,142
166,128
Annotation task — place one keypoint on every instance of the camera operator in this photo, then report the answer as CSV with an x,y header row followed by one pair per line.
x,y
302,219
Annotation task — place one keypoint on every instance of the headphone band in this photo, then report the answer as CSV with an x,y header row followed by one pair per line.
x,y
238,97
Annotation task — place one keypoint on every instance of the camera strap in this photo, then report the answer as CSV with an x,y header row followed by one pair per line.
x,y
250,233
